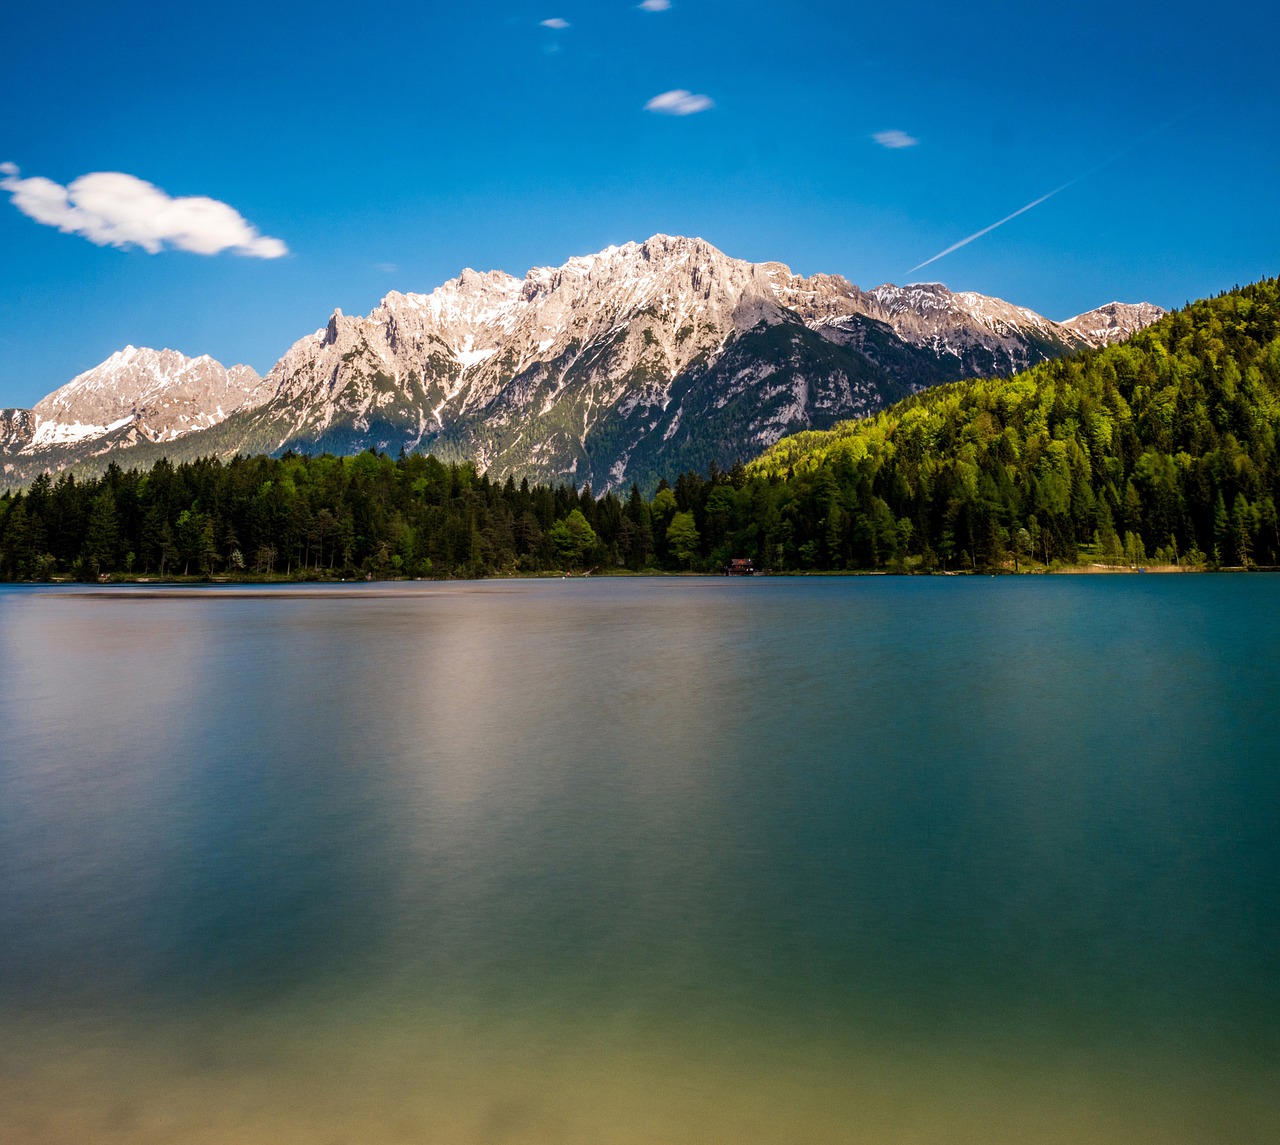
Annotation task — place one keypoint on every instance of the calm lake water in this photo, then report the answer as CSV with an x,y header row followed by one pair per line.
x,y
683,861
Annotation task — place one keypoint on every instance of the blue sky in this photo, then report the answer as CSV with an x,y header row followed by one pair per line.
x,y
390,146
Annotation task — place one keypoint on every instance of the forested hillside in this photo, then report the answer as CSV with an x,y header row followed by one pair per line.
x,y
1162,448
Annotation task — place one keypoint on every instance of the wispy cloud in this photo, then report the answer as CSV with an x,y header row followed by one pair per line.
x,y
111,208
679,102
655,5
895,139
555,22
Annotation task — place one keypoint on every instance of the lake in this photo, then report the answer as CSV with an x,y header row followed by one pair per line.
x,y
827,860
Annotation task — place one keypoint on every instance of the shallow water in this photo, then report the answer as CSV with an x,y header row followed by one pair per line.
x,y
837,860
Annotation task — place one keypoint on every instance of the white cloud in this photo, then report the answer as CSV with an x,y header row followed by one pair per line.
x,y
894,139
655,5
555,22
111,208
679,102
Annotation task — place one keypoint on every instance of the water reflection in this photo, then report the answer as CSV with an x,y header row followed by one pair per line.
x,y
558,861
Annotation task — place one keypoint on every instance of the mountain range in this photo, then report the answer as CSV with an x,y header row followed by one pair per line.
x,y
641,360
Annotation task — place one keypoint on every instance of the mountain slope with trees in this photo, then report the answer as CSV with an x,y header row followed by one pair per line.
x,y
1163,447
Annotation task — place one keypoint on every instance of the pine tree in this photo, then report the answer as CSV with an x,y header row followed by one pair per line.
x,y
102,537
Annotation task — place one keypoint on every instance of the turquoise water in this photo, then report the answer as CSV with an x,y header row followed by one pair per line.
x,y
826,860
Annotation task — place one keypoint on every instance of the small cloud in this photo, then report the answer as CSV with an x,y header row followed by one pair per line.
x,y
386,267
655,5
895,139
111,208
679,102
555,22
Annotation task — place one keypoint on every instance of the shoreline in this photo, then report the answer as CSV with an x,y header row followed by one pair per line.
x,y
196,582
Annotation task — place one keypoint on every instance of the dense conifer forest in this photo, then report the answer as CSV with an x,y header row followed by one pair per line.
x,y
1161,449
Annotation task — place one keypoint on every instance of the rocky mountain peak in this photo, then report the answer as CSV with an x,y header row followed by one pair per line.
x,y
1114,322
155,394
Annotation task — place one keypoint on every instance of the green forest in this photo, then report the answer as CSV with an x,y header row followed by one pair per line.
x,y
1160,450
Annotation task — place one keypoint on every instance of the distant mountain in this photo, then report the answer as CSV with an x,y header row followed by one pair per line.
x,y
961,335
135,396
1115,322
644,359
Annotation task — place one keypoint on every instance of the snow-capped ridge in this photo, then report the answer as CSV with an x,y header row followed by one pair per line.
x,y
646,355
162,393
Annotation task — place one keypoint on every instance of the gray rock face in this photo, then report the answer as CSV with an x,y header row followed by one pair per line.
x,y
17,427
525,375
640,360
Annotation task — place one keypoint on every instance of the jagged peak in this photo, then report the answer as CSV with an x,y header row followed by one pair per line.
x,y
661,243
615,328
475,295
656,248
1118,309
465,283
331,329
1114,321
787,282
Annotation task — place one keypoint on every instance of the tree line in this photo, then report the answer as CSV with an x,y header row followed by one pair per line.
x,y
1163,448
303,517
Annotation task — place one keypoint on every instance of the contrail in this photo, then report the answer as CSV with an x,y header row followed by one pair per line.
x,y
992,227
1035,203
